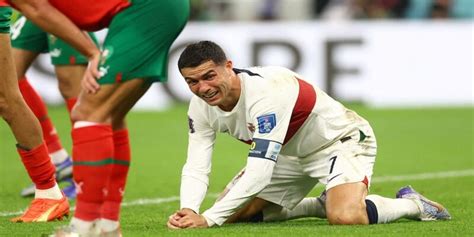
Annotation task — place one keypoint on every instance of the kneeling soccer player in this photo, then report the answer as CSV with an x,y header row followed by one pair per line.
x,y
299,136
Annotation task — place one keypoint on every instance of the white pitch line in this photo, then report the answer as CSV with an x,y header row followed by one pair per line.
x,y
383,179
424,176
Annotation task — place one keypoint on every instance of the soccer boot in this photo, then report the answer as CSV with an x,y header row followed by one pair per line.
x,y
63,173
43,210
429,210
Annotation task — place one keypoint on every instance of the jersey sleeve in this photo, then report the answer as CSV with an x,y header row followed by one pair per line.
x,y
195,173
272,115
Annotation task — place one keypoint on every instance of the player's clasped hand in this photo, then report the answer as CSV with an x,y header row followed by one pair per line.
x,y
91,75
186,218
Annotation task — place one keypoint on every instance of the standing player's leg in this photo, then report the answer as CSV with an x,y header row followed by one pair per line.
x,y
27,132
23,59
97,164
28,42
69,66
59,155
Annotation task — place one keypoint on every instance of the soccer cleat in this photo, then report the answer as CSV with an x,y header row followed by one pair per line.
x,y
429,210
63,173
43,210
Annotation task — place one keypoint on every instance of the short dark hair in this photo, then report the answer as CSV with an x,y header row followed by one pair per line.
x,y
197,53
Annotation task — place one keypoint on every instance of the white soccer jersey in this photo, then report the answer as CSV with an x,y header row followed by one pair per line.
x,y
277,112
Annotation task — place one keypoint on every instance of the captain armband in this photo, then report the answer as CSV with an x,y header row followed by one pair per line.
x,y
266,149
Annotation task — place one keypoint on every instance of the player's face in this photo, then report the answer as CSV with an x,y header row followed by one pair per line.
x,y
215,84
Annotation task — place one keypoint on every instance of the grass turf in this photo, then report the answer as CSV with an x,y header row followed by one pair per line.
x,y
410,141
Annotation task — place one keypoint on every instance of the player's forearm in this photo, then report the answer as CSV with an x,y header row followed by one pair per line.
x,y
53,21
195,177
192,193
257,176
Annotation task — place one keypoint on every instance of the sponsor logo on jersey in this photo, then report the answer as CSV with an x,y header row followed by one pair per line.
x,y
266,123
17,27
266,149
55,52
105,55
103,70
191,125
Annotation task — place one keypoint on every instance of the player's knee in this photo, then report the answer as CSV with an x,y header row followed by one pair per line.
x,y
347,216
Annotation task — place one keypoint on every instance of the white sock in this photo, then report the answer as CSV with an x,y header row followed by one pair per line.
x,y
107,225
84,227
390,209
59,156
308,207
50,193
81,124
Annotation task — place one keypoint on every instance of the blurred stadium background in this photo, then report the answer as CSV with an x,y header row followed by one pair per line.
x,y
380,52
405,65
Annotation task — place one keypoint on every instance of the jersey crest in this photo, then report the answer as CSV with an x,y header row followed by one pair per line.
x,y
266,123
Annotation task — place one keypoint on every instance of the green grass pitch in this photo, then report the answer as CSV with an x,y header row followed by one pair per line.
x,y
411,142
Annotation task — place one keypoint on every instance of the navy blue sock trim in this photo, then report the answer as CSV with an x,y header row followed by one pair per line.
x,y
371,212
257,217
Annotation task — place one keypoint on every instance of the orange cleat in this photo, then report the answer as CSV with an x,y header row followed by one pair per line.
x,y
43,210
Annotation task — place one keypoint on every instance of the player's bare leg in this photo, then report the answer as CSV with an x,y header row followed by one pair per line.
x,y
349,204
23,60
345,204
69,82
27,132
12,106
101,148
60,157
